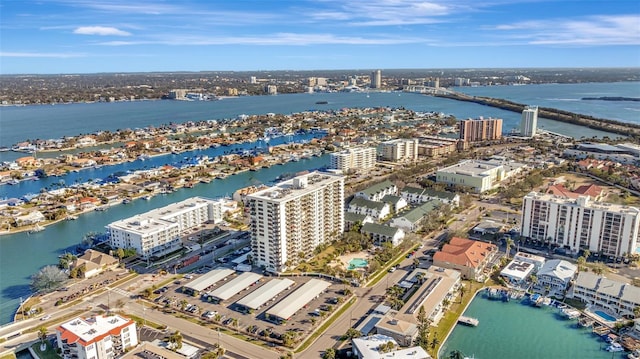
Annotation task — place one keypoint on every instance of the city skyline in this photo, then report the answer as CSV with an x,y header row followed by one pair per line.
x,y
86,36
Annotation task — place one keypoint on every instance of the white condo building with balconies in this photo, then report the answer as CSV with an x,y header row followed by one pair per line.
x,y
529,121
98,337
354,159
581,224
158,231
294,217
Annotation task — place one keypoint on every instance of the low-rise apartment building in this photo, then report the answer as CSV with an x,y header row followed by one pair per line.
x,y
97,337
158,231
616,297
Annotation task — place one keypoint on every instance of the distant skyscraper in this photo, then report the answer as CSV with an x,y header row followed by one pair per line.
x,y
529,121
253,80
481,129
376,79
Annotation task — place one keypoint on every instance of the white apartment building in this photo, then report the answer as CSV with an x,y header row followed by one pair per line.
x,y
581,224
400,150
617,297
479,175
354,159
99,337
158,231
294,217
529,121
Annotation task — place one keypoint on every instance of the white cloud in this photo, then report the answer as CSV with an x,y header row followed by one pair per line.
x,y
278,39
593,31
100,30
41,54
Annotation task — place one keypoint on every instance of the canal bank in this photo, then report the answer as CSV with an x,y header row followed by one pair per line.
x,y
516,329
24,254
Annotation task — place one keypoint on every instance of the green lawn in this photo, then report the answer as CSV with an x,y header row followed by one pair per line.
x,y
50,353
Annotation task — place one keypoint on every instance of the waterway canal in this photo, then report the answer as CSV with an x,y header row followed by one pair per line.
x,y
518,330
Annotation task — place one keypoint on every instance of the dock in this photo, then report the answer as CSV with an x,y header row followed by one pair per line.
x,y
468,321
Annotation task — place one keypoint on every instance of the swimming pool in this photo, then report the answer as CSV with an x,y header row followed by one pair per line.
x,y
357,263
605,316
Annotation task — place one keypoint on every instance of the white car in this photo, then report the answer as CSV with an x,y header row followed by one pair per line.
x,y
46,317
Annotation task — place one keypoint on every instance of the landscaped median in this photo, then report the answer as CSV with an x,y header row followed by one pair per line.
x,y
318,332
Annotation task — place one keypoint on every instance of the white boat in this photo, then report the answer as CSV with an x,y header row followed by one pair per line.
x,y
71,218
615,347
570,313
37,228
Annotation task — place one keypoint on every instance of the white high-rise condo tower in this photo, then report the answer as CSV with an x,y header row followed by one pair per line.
x,y
529,121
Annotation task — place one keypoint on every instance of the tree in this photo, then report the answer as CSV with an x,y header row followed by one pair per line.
x,y
461,290
434,342
42,335
636,311
183,304
329,354
422,339
66,260
216,352
120,253
176,340
352,333
581,262
456,354
509,243
48,279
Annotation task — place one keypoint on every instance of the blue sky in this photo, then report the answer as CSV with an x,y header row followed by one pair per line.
x,y
87,36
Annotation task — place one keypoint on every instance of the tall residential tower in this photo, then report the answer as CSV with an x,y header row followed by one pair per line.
x,y
290,219
529,121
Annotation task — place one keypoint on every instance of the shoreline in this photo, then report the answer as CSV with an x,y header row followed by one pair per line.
x,y
602,124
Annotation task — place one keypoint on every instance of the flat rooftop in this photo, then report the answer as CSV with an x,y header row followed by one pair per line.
x,y
472,168
160,218
298,186
88,329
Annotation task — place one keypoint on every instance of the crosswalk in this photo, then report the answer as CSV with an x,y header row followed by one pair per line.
x,y
122,292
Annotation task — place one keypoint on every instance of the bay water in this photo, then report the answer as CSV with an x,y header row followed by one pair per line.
x,y
516,329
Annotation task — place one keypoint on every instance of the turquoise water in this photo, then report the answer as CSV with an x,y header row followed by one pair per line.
x,y
517,330
357,263
605,316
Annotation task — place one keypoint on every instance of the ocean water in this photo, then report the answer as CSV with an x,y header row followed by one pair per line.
x,y
569,97
18,123
518,330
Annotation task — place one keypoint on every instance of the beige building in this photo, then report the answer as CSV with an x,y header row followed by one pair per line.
x,y
361,158
467,256
93,263
294,217
479,175
601,292
400,150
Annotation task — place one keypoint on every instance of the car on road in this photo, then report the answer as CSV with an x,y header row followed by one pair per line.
x,y
392,269
46,317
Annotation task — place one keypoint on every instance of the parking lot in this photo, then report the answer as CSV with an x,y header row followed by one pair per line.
x,y
173,299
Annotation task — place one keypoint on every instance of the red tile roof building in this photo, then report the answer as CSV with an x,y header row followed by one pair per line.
x,y
99,337
465,255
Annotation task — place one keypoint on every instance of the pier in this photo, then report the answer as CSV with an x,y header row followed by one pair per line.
x,y
468,321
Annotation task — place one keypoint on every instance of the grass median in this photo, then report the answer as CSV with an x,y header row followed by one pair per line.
x,y
318,332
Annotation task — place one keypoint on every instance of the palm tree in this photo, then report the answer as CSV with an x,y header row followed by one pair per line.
x,y
508,243
636,311
461,290
234,322
434,342
176,340
183,304
42,335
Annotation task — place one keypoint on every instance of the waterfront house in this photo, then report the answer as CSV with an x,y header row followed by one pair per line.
x,y
27,162
517,271
467,256
381,233
616,297
378,191
376,210
93,263
556,274
29,218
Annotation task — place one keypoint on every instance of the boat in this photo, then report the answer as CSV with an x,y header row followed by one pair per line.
x,y
472,322
13,181
585,322
570,313
614,348
71,218
322,102
36,228
101,208
126,200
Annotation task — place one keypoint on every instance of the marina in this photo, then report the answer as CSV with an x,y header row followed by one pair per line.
x,y
516,329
